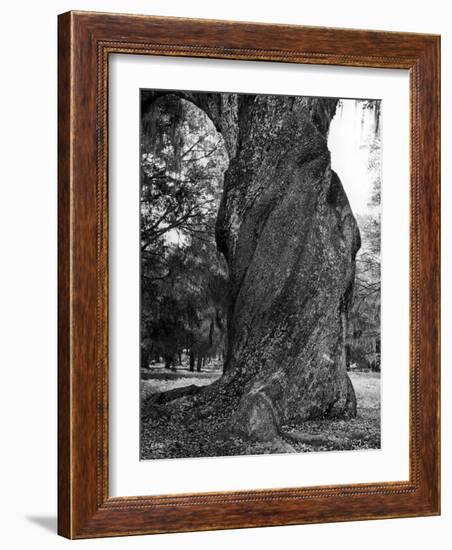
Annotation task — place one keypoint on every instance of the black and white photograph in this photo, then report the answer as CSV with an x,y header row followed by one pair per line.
x,y
260,274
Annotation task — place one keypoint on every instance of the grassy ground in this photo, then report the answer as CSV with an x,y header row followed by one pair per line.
x,y
158,379
362,432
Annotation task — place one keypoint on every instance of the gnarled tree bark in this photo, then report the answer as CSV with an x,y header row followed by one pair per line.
x,y
289,237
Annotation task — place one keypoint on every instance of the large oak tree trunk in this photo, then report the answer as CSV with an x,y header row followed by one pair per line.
x,y
290,239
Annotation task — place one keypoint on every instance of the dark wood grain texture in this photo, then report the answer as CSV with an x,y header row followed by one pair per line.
x,y
85,42
64,295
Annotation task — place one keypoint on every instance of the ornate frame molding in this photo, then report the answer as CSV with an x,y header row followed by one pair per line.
x,y
85,42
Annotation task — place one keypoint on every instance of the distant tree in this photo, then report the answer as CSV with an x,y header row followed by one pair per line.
x,y
364,323
182,164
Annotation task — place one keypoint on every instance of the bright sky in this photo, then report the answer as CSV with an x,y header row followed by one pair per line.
x,y
348,159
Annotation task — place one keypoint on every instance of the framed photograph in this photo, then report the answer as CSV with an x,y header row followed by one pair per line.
x,y
248,275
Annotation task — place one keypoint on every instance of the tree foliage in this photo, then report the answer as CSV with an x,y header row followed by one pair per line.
x,y
364,326
183,277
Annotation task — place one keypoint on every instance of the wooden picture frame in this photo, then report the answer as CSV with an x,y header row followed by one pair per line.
x,y
85,42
